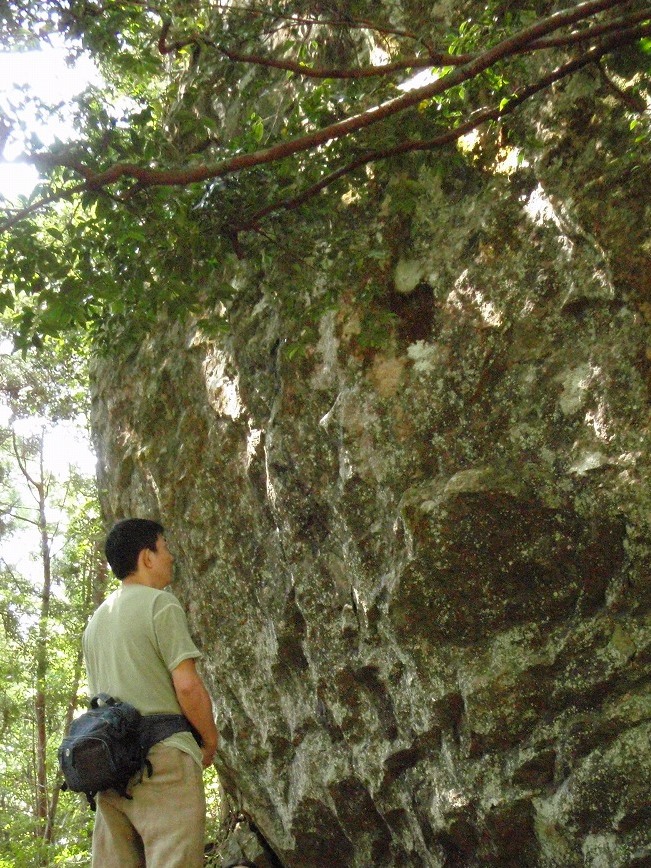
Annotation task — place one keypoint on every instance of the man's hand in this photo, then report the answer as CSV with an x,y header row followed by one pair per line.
x,y
208,755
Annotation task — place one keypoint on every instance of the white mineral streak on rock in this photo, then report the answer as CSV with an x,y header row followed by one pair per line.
x,y
222,385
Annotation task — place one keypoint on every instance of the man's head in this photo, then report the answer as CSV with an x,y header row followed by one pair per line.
x,y
127,540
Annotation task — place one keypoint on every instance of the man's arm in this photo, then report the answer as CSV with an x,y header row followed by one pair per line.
x,y
196,706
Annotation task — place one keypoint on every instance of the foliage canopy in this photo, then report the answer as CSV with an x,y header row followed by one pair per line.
x,y
219,122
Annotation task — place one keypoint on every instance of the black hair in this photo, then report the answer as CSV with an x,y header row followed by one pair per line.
x,y
126,540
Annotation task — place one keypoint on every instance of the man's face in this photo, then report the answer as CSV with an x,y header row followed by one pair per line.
x,y
162,561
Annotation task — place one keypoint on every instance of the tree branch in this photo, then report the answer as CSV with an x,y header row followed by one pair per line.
x,y
22,462
432,58
479,118
24,518
591,32
347,23
18,215
438,59
153,177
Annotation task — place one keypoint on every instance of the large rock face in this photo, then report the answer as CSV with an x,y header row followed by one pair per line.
x,y
419,566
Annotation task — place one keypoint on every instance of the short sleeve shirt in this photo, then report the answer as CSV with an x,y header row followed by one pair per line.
x,y
132,644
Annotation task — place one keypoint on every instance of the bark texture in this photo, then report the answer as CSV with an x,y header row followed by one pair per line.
x,y
419,570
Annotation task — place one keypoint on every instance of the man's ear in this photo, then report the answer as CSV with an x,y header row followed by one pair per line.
x,y
144,558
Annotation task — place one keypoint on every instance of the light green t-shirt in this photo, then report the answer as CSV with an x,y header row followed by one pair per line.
x,y
133,642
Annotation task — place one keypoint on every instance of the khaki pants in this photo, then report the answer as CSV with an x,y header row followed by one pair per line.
x,y
162,826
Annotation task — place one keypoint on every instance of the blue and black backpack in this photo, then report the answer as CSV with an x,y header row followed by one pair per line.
x,y
108,745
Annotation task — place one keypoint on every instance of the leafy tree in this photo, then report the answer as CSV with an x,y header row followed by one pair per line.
x,y
44,611
51,576
220,122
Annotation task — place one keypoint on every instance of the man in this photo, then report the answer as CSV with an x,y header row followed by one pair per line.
x,y
138,649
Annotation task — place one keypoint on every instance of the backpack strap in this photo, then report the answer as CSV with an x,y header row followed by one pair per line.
x,y
157,727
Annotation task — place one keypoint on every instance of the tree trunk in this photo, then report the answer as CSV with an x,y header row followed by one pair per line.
x,y
94,579
39,489
72,706
42,668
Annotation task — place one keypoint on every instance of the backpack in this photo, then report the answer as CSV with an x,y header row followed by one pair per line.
x,y
103,748
108,744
